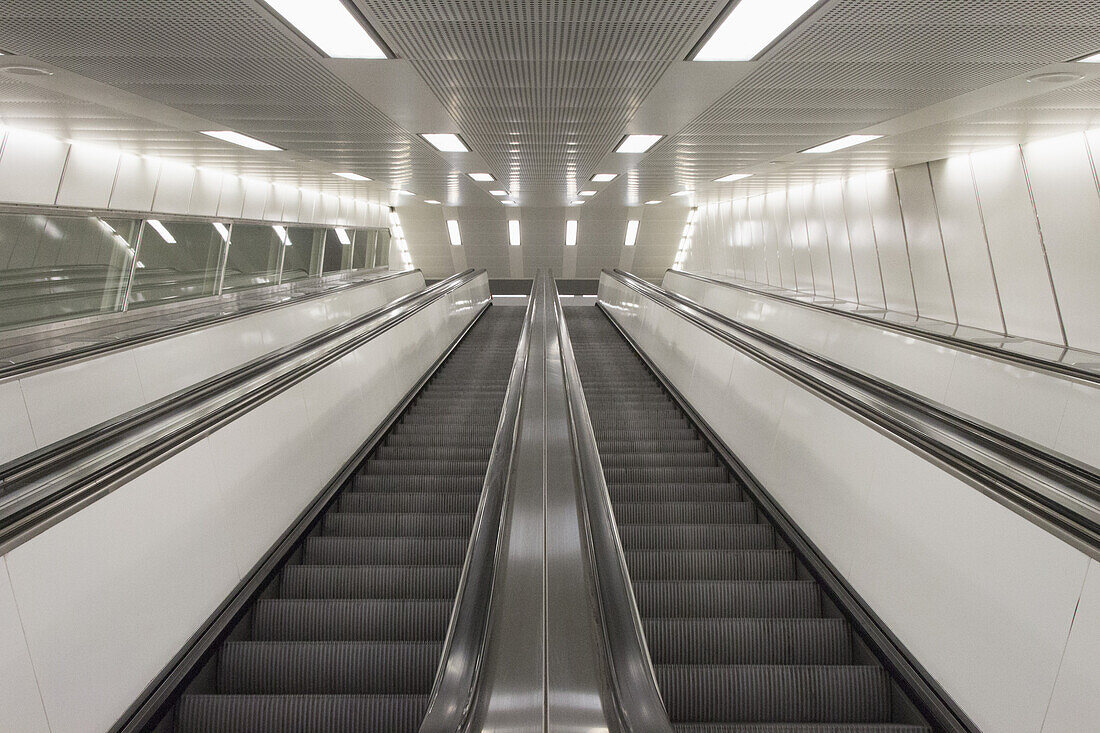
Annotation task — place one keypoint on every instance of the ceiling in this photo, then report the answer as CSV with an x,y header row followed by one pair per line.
x,y
542,91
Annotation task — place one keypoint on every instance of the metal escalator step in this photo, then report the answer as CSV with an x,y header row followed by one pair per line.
x,y
451,452
658,460
749,641
799,728
301,713
697,536
711,565
675,474
392,467
350,620
652,446
424,502
686,512
358,581
619,433
771,693
332,667
418,482
675,492
482,440
385,550
391,524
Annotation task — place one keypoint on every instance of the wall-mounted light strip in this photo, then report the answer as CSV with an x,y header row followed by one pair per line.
x,y
1093,59
352,176
841,143
433,202
631,233
445,142
571,233
454,233
161,230
330,26
750,27
237,138
732,177
513,232
637,143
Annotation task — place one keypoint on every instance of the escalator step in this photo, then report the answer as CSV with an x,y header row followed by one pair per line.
x,y
332,667
385,524
397,581
674,492
749,641
683,458
451,452
799,728
385,550
697,536
771,693
676,474
418,482
300,713
350,620
646,447
618,433
419,501
398,467
711,565
686,512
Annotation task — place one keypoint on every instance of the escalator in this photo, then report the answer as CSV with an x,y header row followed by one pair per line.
x,y
349,636
740,640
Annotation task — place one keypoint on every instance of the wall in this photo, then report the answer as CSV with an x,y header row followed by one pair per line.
x,y
41,171
1006,240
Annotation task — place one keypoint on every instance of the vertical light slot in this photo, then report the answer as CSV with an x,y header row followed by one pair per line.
x,y
513,232
162,231
631,232
571,233
750,27
342,235
454,233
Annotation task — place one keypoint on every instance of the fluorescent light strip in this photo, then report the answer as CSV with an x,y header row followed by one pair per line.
x,y
482,177
587,193
352,176
453,233
498,192
681,193
330,26
162,231
604,177
446,142
1094,59
841,143
223,231
513,233
509,203
732,177
651,203
750,27
571,233
342,235
637,143
237,138
631,233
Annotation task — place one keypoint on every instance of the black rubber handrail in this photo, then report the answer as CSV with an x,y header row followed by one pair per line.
x,y
43,487
22,368
455,690
1053,491
955,342
639,707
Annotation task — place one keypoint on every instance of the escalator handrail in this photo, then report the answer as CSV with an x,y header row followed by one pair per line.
x,y
52,361
455,690
1026,360
43,487
1053,491
633,680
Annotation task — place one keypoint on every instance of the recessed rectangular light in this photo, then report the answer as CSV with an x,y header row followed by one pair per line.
x,y
446,142
342,235
681,193
750,28
587,193
498,192
637,143
403,192
162,231
433,202
513,232
329,25
482,177
352,176
651,203
841,143
222,230
453,233
631,233
509,202
604,177
732,177
237,138
1093,59
577,202
571,233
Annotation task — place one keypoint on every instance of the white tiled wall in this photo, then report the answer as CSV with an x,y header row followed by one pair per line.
x,y
1005,240
93,608
1005,616
41,171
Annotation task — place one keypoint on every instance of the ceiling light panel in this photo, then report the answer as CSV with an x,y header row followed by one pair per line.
x,y
453,233
1094,59
604,177
237,138
445,142
638,143
750,28
631,233
329,25
847,141
733,177
587,193
482,177
352,176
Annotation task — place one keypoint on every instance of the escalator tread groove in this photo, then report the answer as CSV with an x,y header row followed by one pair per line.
x,y
739,640
349,636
